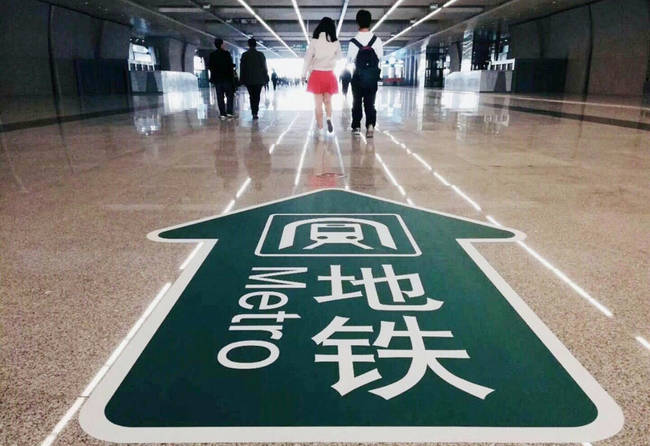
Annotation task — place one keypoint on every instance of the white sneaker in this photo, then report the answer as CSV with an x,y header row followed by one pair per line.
x,y
370,131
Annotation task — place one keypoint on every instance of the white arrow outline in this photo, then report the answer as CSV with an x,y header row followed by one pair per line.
x,y
608,422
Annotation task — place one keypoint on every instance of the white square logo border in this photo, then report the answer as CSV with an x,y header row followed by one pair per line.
x,y
417,252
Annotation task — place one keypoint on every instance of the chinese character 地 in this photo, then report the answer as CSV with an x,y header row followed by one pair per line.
x,y
369,282
421,358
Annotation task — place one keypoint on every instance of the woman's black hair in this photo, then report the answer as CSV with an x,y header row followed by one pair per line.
x,y
326,26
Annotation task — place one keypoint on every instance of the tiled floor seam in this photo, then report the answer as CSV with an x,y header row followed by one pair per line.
x,y
532,252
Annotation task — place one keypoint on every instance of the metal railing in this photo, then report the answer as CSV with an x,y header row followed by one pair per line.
x,y
501,65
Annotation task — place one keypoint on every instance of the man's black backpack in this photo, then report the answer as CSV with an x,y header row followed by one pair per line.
x,y
367,71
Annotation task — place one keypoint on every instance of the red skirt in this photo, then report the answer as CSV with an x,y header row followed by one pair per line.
x,y
321,82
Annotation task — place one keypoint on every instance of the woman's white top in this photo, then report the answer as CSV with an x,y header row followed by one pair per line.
x,y
321,55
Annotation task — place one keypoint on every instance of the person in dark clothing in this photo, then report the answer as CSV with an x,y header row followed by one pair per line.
x,y
235,80
365,51
346,78
274,79
254,74
222,76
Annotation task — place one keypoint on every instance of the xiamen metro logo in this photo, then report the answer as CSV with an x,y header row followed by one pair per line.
x,y
336,235
339,317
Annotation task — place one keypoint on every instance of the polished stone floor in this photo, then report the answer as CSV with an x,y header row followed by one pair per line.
x,y
78,197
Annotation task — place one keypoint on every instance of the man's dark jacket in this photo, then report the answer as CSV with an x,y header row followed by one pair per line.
x,y
253,68
220,66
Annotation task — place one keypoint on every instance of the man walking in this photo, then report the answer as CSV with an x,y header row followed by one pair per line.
x,y
365,51
254,74
346,78
274,79
222,76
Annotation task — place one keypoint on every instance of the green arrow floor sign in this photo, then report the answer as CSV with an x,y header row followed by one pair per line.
x,y
335,316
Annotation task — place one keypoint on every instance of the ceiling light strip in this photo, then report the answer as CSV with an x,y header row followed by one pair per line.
x,y
269,29
344,9
423,19
385,16
302,22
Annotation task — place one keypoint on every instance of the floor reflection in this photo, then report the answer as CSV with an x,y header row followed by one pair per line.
x,y
226,162
257,158
54,153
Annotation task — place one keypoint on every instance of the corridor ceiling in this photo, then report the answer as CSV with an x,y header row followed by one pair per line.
x,y
276,22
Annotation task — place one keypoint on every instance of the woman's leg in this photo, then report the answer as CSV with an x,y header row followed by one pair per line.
x,y
327,100
318,110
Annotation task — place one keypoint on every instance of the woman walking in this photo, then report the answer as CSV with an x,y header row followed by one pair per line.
x,y
322,53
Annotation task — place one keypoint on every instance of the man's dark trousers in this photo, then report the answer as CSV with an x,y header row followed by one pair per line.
x,y
254,91
346,84
224,88
363,96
